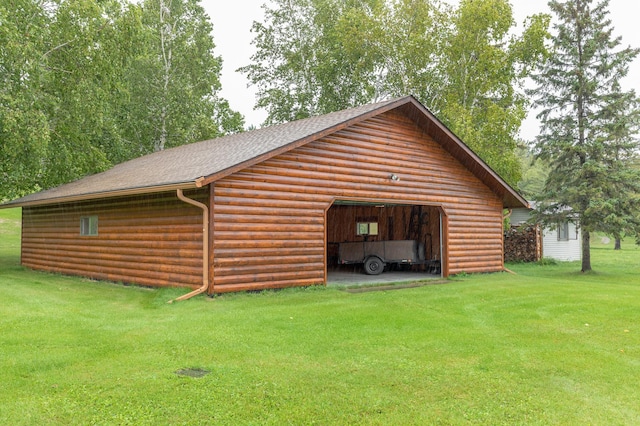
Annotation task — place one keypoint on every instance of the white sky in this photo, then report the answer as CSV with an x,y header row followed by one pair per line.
x,y
232,35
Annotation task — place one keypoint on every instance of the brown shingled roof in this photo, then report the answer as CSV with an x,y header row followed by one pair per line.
x,y
200,163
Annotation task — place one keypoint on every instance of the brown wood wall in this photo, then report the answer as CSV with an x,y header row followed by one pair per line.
x,y
269,219
153,240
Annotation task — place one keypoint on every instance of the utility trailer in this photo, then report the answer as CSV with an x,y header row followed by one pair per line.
x,y
375,255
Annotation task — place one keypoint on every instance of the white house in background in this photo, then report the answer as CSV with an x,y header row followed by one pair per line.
x,y
563,243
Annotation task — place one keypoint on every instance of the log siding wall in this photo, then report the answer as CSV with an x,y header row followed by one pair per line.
x,y
153,240
269,219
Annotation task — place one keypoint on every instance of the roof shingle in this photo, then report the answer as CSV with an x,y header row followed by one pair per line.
x,y
188,165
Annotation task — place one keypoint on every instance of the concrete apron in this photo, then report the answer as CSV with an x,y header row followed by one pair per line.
x,y
354,275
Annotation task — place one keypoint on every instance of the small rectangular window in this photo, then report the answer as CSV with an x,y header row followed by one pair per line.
x,y
367,228
563,231
89,225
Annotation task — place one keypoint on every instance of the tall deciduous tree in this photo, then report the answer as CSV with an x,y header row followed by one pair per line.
x,y
589,125
317,56
175,79
86,84
413,39
79,78
483,67
24,128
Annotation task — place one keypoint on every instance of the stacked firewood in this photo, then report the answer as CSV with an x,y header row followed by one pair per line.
x,y
522,244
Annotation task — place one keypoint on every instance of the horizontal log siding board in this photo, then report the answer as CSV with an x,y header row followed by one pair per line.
x,y
153,240
264,240
269,218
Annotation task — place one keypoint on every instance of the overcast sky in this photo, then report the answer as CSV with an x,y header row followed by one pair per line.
x,y
232,35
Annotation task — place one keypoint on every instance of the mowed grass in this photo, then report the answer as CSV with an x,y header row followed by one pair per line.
x,y
546,346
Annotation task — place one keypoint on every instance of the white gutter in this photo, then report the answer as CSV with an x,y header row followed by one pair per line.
x,y
94,195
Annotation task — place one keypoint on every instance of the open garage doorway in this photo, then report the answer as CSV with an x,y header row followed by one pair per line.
x,y
383,242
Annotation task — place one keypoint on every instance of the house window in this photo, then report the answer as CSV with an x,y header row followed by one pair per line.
x,y
367,228
563,231
89,225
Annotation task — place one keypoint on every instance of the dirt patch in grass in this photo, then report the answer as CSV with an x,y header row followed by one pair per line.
x,y
192,372
401,286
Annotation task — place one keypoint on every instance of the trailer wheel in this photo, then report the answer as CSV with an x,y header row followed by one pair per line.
x,y
373,265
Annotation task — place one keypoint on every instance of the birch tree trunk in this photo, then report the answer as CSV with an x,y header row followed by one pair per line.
x,y
166,46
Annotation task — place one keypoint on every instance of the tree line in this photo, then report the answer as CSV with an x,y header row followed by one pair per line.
x,y
467,64
88,84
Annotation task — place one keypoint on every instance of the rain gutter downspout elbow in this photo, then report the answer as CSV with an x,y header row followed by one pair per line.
x,y
205,247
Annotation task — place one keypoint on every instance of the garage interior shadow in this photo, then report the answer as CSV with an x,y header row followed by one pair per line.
x,y
353,222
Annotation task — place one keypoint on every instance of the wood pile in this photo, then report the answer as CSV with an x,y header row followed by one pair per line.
x,y
523,244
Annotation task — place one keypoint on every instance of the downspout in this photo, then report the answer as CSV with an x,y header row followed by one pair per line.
x,y
508,214
205,247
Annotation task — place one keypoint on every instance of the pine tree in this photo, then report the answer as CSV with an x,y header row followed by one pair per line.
x,y
589,126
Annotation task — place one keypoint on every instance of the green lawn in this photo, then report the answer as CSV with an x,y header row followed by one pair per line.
x,y
546,346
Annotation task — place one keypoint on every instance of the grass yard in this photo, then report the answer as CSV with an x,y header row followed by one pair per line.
x,y
546,346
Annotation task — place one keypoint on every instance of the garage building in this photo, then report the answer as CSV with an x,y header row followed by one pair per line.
x,y
269,208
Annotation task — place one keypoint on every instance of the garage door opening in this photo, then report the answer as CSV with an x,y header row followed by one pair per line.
x,y
382,242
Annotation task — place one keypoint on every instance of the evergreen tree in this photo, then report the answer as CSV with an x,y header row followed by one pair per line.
x,y
589,126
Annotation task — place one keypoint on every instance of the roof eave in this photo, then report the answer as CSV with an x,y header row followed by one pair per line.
x,y
127,192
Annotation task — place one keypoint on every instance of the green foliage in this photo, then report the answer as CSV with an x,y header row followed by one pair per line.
x,y
85,85
545,346
24,128
317,56
589,126
177,78
482,66
547,261
79,82
534,174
